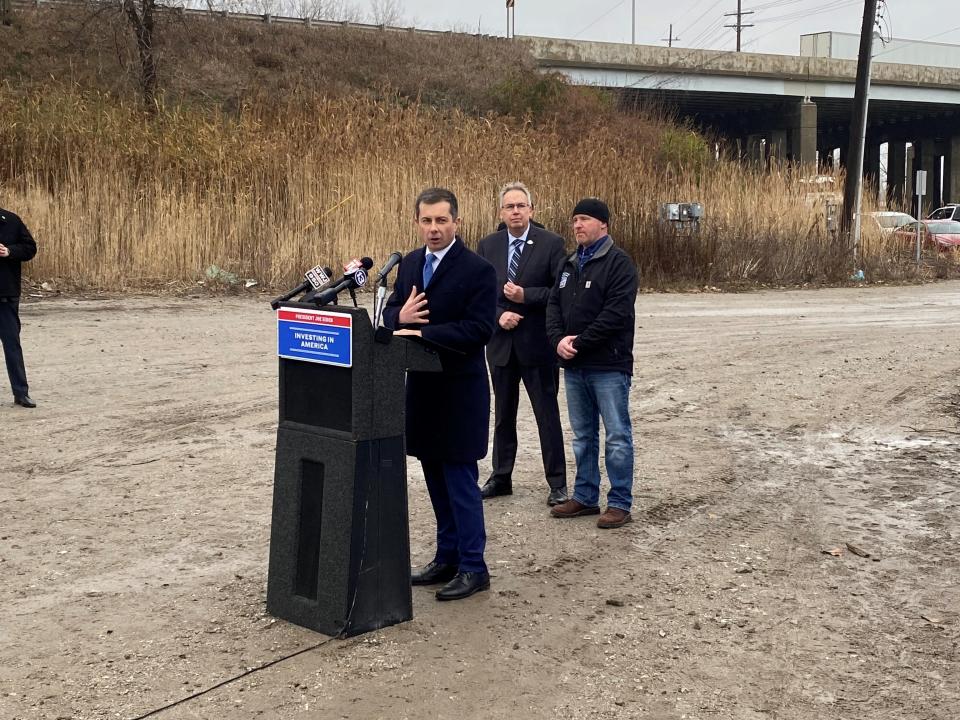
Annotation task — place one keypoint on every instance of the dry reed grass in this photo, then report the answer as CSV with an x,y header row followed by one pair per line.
x,y
117,200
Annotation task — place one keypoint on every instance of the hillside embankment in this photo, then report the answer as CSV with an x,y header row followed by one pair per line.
x,y
271,148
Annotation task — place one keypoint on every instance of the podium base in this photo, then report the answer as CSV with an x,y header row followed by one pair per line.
x,y
339,545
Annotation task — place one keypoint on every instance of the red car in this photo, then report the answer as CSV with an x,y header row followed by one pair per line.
x,y
943,234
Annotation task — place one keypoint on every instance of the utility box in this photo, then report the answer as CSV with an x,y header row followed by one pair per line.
x,y
670,212
682,218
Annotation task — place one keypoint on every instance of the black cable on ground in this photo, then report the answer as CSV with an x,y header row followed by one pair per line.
x,y
251,671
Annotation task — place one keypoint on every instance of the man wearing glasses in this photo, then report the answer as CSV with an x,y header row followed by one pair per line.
x,y
527,258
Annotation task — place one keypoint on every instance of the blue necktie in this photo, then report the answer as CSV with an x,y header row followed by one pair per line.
x,y
515,259
428,269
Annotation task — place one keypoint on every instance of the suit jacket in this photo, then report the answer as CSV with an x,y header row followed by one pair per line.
x,y
540,261
448,413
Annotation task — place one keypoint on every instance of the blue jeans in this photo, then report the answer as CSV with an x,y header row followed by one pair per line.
x,y
591,395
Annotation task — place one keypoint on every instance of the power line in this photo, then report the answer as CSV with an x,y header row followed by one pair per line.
x,y
805,15
914,42
702,15
806,12
695,5
584,29
706,35
775,4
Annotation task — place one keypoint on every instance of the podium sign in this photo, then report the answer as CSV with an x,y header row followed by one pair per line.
x,y
317,336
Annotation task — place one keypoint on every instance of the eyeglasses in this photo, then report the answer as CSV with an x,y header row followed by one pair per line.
x,y
516,206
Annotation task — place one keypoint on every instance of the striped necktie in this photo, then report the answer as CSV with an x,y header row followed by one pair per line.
x,y
517,244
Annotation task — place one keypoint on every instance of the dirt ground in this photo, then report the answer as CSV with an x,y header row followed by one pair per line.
x,y
794,554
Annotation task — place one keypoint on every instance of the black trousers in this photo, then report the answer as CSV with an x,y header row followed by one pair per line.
x,y
542,383
10,338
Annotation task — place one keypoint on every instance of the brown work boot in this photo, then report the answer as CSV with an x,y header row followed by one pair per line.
x,y
613,518
571,508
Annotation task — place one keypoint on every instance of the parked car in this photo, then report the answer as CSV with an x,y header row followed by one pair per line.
x,y
950,211
888,221
942,234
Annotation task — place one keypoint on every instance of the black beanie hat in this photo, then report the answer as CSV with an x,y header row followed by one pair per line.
x,y
594,208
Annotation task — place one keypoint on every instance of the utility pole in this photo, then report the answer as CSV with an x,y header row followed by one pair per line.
x,y
511,11
633,24
853,187
739,26
670,38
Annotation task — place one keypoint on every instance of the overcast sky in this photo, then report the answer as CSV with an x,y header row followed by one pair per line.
x,y
698,23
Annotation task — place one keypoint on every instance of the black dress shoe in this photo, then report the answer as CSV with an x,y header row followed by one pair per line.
x,y
433,573
24,401
495,488
464,585
557,496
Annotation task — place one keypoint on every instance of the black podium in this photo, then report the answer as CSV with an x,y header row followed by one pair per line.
x,y
339,540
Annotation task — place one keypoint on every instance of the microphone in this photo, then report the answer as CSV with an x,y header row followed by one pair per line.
x,y
316,277
325,276
353,278
391,263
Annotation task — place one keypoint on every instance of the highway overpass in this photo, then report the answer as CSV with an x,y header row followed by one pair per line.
x,y
784,107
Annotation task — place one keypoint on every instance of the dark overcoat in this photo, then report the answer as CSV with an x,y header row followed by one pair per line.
x,y
448,413
17,239
540,262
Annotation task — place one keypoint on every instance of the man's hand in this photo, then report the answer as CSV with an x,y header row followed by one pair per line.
x,y
414,310
565,348
509,320
3,251
406,331
512,292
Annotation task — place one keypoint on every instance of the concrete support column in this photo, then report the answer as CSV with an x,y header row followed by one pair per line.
x,y
908,199
777,147
822,158
924,158
754,153
843,155
951,171
731,148
803,134
825,157
935,187
739,148
871,167
896,173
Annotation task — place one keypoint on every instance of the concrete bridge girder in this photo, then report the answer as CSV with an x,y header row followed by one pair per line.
x,y
758,94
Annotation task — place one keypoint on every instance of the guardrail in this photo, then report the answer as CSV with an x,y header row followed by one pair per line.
x,y
264,18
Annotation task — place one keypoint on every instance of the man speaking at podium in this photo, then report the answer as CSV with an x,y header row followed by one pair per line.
x,y
447,295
